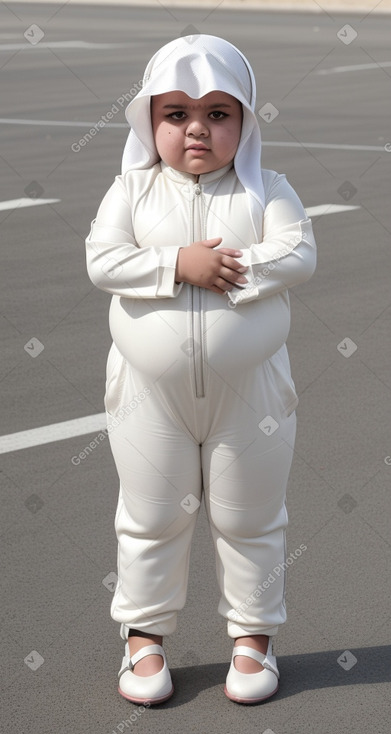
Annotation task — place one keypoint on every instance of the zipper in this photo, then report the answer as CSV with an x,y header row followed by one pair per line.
x,y
197,303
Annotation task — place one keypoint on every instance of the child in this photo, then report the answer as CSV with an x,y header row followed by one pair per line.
x,y
198,246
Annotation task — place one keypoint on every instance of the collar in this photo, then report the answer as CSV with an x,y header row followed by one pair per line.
x,y
203,178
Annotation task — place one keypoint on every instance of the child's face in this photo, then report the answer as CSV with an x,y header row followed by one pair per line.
x,y
196,135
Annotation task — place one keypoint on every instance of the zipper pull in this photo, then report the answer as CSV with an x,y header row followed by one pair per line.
x,y
197,189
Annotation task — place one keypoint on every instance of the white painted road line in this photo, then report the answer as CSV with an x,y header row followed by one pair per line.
x,y
21,203
60,123
354,67
319,211
60,44
265,143
311,211
322,146
54,432
92,423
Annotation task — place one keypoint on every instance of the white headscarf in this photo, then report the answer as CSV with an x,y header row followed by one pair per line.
x,y
198,65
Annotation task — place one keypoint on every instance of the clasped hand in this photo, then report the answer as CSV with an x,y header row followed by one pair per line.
x,y
217,270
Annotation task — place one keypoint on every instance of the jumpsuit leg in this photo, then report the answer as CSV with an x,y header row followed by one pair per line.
x,y
245,473
158,466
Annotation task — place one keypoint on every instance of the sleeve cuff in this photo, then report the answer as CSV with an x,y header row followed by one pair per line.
x,y
167,286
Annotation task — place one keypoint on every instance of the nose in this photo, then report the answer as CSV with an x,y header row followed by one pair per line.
x,y
196,128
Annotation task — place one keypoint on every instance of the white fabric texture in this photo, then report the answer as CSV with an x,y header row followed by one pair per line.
x,y
132,247
189,380
199,395
198,65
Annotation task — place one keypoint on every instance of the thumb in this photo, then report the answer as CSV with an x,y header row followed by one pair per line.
x,y
211,243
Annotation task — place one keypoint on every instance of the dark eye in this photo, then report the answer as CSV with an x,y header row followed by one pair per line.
x,y
217,115
179,115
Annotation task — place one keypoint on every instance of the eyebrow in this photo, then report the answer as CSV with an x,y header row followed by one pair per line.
x,y
184,106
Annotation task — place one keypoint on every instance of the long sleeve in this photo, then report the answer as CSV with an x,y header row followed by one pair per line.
x,y
286,256
116,263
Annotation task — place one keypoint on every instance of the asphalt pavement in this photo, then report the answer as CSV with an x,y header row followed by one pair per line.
x,y
324,96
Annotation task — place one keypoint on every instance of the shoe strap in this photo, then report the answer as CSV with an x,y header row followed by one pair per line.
x,y
128,662
147,650
268,661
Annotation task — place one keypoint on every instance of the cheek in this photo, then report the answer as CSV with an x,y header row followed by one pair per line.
x,y
161,136
236,136
237,131
167,143
231,138
167,135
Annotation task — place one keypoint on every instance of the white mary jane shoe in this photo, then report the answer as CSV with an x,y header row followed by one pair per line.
x,y
252,687
148,689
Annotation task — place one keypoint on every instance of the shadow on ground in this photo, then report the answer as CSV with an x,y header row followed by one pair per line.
x,y
298,673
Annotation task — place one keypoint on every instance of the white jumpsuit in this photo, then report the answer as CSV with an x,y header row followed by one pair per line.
x,y
199,395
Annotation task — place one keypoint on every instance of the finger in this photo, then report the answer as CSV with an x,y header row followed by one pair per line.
x,y
224,285
230,252
231,276
233,264
215,289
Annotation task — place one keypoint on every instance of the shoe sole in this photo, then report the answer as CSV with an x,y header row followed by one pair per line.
x,y
149,701
248,700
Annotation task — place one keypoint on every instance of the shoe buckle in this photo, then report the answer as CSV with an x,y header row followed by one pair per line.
x,y
269,665
128,666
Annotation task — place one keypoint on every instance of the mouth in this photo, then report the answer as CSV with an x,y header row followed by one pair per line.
x,y
197,146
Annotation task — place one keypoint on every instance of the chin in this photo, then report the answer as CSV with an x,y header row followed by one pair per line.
x,y
199,167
